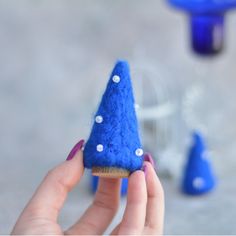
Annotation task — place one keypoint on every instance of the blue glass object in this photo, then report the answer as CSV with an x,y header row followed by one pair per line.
x,y
206,23
123,190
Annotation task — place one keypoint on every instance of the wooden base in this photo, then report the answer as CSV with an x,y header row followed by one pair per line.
x,y
110,172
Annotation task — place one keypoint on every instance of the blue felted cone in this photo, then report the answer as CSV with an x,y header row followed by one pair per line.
x,y
113,148
198,175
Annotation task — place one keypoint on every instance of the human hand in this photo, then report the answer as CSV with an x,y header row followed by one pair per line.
x,y
144,211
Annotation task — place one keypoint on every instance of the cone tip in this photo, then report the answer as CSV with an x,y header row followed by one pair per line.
x,y
122,63
121,67
198,137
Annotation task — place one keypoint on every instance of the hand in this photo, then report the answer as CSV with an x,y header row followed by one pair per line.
x,y
143,214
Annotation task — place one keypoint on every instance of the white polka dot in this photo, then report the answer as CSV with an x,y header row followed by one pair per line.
x,y
99,147
198,182
205,155
99,119
116,79
139,152
136,106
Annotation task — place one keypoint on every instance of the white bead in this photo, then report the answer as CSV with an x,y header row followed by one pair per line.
x,y
116,79
205,155
136,106
139,152
99,147
99,119
198,182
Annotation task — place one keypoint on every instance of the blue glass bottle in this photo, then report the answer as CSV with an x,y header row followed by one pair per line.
x,y
206,22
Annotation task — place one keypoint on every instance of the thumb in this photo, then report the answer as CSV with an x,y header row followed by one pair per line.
x,y
52,192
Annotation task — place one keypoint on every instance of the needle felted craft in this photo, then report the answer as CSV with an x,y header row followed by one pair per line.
x,y
114,148
198,174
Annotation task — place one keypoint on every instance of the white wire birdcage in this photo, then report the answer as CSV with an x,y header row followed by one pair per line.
x,y
158,110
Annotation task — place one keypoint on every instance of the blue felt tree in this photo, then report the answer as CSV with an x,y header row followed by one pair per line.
x,y
113,148
198,174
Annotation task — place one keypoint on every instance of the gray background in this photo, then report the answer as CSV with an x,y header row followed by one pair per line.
x,y
55,58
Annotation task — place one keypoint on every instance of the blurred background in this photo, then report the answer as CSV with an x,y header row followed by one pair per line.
x,y
55,59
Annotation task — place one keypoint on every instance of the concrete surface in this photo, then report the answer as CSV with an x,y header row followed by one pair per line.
x,y
55,57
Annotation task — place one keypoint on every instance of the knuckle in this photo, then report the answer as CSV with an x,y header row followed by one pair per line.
x,y
106,205
51,174
105,201
56,180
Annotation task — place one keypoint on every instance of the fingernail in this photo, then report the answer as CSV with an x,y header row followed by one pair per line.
x,y
75,149
144,169
148,157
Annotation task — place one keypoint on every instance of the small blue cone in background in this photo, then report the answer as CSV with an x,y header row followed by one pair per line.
x,y
198,175
123,190
114,140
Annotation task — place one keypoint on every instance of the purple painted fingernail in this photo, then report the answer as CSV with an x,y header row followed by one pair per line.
x,y
148,157
75,149
144,169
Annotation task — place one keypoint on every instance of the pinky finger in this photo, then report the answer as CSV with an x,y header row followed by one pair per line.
x,y
155,202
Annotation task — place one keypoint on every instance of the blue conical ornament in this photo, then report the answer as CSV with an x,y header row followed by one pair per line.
x,y
198,174
113,148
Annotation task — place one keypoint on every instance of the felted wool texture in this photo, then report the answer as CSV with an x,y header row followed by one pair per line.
x,y
118,133
198,167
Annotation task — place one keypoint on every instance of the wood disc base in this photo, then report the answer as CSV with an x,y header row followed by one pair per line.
x,y
110,172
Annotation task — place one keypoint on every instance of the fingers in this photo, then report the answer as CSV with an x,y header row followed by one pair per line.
x,y
155,203
51,194
100,214
135,212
